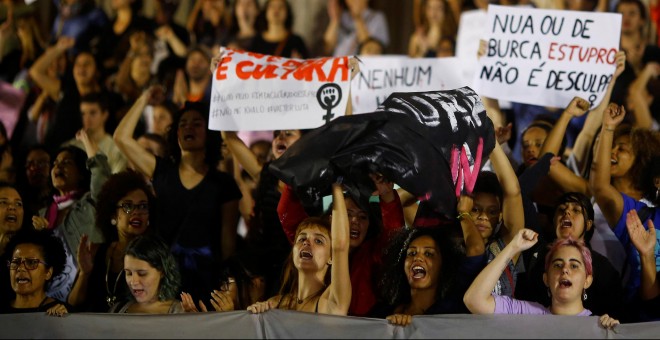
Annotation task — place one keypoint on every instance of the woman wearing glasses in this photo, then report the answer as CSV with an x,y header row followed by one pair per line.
x,y
122,213
36,258
77,177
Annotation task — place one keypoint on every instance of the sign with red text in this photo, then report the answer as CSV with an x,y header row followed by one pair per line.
x,y
380,76
547,57
257,92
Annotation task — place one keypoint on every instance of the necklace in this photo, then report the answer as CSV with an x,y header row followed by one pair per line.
x,y
301,301
111,298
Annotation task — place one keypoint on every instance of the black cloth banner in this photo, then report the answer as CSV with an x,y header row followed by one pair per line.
x,y
421,141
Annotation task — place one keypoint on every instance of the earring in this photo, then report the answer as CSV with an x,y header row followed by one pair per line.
x,y
584,296
657,193
549,294
113,221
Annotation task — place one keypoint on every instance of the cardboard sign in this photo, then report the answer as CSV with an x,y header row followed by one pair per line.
x,y
547,57
381,76
252,91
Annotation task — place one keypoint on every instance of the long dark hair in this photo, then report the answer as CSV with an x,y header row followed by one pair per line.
x,y
394,287
262,22
244,267
213,138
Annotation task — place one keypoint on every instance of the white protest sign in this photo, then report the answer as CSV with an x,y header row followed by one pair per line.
x,y
547,57
471,29
252,91
382,75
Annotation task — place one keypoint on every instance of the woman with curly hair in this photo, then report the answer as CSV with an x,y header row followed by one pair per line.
x,y
425,273
621,180
122,213
152,276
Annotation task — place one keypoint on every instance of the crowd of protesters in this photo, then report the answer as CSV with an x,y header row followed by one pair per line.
x,y
116,197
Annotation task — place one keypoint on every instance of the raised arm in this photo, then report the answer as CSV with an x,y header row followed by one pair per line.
x,y
607,196
332,31
167,34
637,94
85,257
39,70
474,244
339,297
478,298
512,206
576,108
143,160
390,209
192,17
595,117
645,242
97,163
563,176
242,154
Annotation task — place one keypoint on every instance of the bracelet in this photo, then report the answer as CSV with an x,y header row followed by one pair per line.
x,y
608,129
463,214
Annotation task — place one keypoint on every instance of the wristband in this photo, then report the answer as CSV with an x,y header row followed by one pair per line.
x,y
463,214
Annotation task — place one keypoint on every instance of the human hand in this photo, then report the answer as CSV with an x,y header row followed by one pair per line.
x,y
155,94
524,239
180,88
164,32
260,307
64,43
400,319
577,107
555,160
652,69
188,304
465,204
85,256
216,60
608,322
503,133
137,41
613,116
90,145
482,48
644,240
39,222
5,238
222,301
57,310
354,66
620,62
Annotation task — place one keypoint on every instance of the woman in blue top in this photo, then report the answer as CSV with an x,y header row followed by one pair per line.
x,y
621,180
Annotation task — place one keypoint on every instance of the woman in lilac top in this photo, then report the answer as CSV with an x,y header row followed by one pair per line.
x,y
568,273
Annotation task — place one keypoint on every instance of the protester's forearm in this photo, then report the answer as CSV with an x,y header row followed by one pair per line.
x,y
553,141
567,180
478,298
